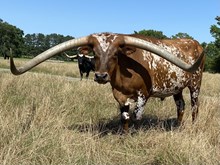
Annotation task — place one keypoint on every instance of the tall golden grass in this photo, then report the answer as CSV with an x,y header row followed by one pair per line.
x,y
47,119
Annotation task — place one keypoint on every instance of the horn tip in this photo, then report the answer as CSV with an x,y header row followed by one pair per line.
x,y
13,68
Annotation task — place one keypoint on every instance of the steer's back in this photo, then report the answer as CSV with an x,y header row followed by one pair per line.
x,y
166,78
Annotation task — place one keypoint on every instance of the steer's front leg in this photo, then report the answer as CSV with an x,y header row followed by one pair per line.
x,y
125,118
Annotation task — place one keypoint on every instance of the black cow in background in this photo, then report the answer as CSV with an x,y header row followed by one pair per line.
x,y
6,56
6,53
86,63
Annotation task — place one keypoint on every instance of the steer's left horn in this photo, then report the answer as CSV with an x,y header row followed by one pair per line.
x,y
47,54
132,41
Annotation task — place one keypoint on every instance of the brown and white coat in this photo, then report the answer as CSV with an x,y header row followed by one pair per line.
x,y
139,67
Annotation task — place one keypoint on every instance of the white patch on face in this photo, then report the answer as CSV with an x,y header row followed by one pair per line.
x,y
125,116
80,55
140,106
102,39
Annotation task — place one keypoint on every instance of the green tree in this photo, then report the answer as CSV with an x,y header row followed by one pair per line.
x,y
211,52
215,31
182,35
152,33
34,44
37,43
11,37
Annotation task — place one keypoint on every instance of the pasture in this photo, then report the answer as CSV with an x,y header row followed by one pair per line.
x,y
48,118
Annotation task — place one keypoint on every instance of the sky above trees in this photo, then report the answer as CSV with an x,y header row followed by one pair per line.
x,y
80,18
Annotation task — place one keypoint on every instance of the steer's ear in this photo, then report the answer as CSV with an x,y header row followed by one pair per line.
x,y
128,50
86,50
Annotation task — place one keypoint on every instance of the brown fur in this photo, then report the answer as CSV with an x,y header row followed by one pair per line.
x,y
137,74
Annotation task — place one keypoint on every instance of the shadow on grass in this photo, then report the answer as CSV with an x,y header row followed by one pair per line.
x,y
113,126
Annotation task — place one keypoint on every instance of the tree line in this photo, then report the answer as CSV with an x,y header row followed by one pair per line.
x,y
30,45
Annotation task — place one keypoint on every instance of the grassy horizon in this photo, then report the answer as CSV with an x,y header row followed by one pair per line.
x,y
47,119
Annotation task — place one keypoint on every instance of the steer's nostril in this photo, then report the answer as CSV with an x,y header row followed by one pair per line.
x,y
104,75
97,75
101,77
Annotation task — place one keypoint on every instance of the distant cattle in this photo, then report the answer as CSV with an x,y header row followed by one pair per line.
x,y
139,67
6,56
86,63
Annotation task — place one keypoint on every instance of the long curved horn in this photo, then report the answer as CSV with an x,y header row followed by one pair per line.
x,y
47,54
73,56
132,41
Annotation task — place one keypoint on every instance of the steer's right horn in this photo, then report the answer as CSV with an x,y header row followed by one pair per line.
x,y
48,54
143,44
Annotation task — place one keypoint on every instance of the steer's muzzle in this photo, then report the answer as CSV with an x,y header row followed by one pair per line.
x,y
101,78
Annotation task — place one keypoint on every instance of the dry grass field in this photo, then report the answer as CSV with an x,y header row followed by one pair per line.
x,y
51,119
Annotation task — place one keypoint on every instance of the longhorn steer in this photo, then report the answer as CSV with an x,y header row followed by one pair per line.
x,y
139,67
86,64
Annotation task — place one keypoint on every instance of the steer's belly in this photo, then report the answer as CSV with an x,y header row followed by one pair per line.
x,y
164,94
170,83
168,89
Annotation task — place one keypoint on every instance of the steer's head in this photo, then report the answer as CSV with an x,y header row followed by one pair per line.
x,y
106,47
